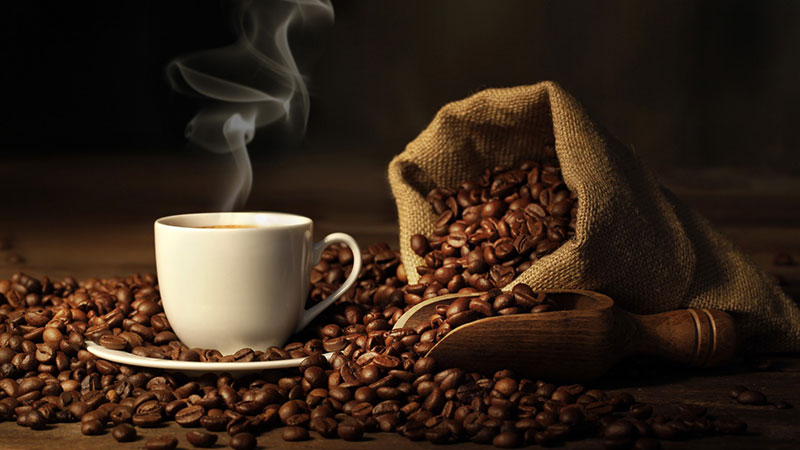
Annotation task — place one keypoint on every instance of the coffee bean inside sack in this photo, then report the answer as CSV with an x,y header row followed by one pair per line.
x,y
493,228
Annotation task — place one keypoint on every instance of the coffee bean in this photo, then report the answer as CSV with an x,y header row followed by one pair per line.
x,y
390,406
499,412
201,439
353,315
736,390
444,274
424,365
315,357
361,410
214,423
161,443
325,426
91,427
189,416
689,412
315,376
243,441
334,344
524,295
387,422
484,436
457,239
172,408
507,439
350,431
419,244
298,420
322,410
571,416
667,431
30,384
506,386
146,420
434,401
621,429
123,433
113,342
749,397
294,434
386,361
35,420
340,394
461,318
457,306
289,409
545,391
481,306
149,407
640,411
188,355
78,409
331,330
238,424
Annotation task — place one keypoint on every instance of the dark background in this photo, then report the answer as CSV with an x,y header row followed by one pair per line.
x,y
697,84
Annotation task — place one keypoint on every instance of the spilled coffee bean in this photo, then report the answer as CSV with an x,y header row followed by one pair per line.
x,y
749,397
201,439
294,434
161,443
243,441
123,433
378,379
91,427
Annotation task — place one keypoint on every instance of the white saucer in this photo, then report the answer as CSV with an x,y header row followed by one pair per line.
x,y
190,367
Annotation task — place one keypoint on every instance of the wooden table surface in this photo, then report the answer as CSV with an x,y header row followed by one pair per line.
x,y
85,217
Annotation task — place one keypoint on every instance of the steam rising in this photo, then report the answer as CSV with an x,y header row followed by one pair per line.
x,y
252,83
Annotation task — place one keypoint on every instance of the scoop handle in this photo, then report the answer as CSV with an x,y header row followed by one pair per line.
x,y
696,337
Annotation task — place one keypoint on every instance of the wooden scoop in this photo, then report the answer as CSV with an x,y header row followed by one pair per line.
x,y
581,341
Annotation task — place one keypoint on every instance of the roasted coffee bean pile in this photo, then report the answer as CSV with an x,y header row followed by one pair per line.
x,y
377,380
381,275
491,229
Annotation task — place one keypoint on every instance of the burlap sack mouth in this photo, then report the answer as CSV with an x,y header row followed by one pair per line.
x,y
634,241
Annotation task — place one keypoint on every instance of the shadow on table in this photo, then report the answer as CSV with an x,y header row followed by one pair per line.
x,y
652,371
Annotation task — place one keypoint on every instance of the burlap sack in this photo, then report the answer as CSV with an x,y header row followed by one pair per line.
x,y
634,240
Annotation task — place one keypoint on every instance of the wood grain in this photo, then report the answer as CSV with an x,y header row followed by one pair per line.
x,y
696,337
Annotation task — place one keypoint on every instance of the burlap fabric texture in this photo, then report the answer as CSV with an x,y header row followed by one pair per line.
x,y
634,240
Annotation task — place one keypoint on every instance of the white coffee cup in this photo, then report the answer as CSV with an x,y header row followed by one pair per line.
x,y
231,288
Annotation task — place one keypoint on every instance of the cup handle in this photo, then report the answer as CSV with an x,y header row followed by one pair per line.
x,y
334,238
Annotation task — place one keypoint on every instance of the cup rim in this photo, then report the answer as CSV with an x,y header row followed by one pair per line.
x,y
297,221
